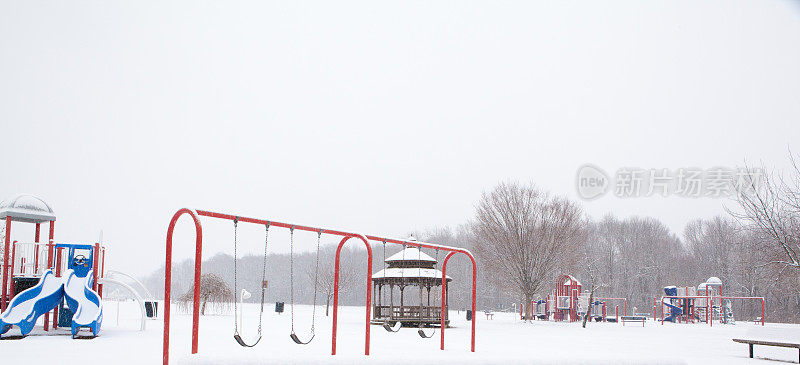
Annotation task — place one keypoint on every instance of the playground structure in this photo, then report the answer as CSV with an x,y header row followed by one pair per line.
x,y
42,277
704,303
345,236
568,303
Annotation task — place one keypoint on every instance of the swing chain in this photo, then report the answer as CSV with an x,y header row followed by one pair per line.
x,y
235,277
263,278
316,281
291,273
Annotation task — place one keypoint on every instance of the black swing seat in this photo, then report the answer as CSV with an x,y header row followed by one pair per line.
x,y
424,335
390,328
242,343
298,341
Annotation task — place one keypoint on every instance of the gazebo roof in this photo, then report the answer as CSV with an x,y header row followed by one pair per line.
x,y
26,208
410,254
408,272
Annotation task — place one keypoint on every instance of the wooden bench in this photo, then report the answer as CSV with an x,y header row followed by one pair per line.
x,y
768,343
633,319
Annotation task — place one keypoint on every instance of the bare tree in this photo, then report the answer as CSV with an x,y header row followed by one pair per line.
x,y
523,234
212,290
326,275
594,264
772,209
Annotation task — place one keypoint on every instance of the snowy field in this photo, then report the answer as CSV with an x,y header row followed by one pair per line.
x,y
503,340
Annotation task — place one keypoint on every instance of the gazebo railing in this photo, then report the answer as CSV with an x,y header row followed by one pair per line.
x,y
408,313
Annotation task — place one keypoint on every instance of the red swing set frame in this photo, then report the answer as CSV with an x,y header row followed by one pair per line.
x,y
195,214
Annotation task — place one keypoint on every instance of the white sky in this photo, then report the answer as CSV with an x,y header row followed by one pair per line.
x,y
375,116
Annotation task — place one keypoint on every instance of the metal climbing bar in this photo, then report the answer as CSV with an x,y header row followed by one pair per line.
x,y
195,214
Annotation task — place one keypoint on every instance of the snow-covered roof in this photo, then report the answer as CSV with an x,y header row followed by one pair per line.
x,y
410,254
409,273
714,281
26,208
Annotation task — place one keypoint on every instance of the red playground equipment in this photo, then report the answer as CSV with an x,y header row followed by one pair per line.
x,y
566,298
345,236
25,263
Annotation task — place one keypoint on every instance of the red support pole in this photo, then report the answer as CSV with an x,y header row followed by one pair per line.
x,y
711,322
616,313
58,262
12,288
168,280
474,296
50,248
763,307
36,248
4,299
102,271
95,265
336,292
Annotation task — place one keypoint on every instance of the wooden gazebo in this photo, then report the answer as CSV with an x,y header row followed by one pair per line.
x,y
406,269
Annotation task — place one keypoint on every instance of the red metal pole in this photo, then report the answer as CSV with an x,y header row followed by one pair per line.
x,y
763,306
711,322
57,274
102,270
616,313
36,248
168,280
95,264
474,297
50,247
444,285
58,261
655,306
4,300
336,292
12,288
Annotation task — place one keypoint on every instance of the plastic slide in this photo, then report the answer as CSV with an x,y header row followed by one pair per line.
x,y
84,302
27,306
674,312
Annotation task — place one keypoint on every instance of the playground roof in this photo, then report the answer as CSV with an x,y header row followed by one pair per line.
x,y
26,208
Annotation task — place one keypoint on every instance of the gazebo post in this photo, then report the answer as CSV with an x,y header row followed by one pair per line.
x,y
402,305
391,301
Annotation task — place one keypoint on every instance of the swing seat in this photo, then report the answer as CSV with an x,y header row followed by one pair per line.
x,y
242,343
390,328
298,341
424,335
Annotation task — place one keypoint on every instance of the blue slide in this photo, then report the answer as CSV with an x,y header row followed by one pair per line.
x,y
84,302
674,310
29,305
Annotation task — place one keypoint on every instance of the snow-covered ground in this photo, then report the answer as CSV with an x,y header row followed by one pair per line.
x,y
503,340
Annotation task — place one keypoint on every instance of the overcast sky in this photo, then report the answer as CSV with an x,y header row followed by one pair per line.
x,y
375,116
